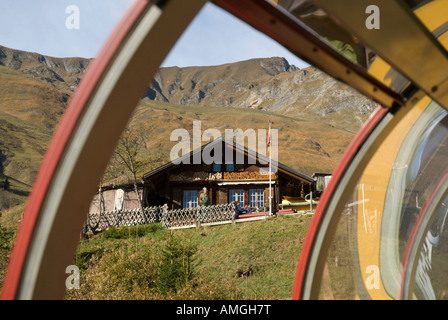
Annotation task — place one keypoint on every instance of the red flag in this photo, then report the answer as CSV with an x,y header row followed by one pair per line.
x,y
268,143
269,138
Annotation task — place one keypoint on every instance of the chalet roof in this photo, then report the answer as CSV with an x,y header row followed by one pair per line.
x,y
316,174
288,170
124,186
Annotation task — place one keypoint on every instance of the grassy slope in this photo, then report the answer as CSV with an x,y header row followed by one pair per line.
x,y
126,268
29,111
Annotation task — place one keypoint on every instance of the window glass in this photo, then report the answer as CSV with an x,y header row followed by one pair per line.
x,y
396,216
244,80
190,199
236,195
256,198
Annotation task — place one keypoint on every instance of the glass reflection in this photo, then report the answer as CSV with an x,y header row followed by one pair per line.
x,y
344,42
427,163
318,20
431,269
366,254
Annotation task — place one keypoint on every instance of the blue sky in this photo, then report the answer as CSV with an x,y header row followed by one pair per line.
x,y
214,37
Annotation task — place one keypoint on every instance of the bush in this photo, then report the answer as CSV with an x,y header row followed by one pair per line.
x,y
177,265
85,258
131,232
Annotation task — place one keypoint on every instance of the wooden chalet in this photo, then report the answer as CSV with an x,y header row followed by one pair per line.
x,y
179,185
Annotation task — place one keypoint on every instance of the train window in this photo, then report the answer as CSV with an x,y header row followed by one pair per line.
x,y
242,94
238,80
385,219
380,234
380,228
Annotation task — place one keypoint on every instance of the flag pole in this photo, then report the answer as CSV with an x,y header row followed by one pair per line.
x,y
270,172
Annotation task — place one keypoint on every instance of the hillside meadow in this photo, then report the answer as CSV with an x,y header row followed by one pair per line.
x,y
250,260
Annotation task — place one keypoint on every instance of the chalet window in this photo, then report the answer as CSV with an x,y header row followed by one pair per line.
x,y
256,198
190,199
229,167
216,167
236,195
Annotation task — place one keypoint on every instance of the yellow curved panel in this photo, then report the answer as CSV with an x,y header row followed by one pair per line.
x,y
371,193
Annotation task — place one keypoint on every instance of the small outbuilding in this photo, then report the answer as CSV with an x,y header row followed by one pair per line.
x,y
116,197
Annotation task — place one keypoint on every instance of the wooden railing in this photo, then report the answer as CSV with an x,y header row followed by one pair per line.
x,y
176,218
180,218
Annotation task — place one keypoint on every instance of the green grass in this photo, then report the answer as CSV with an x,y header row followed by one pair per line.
x,y
9,220
6,241
252,260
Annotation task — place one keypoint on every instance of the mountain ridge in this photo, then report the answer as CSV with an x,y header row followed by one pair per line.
x,y
62,73
316,115
267,84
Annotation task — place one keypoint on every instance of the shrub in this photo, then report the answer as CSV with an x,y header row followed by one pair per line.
x,y
86,257
177,265
131,232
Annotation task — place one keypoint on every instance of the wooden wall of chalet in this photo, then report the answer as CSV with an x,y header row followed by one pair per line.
x,y
177,196
222,195
293,189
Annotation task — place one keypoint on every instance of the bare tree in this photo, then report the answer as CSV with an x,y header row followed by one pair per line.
x,y
131,158
94,227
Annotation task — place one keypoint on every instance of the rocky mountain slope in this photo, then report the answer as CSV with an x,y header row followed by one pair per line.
x,y
61,73
266,84
316,115
270,84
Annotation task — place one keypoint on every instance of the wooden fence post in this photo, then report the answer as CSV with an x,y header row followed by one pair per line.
x,y
164,214
198,216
